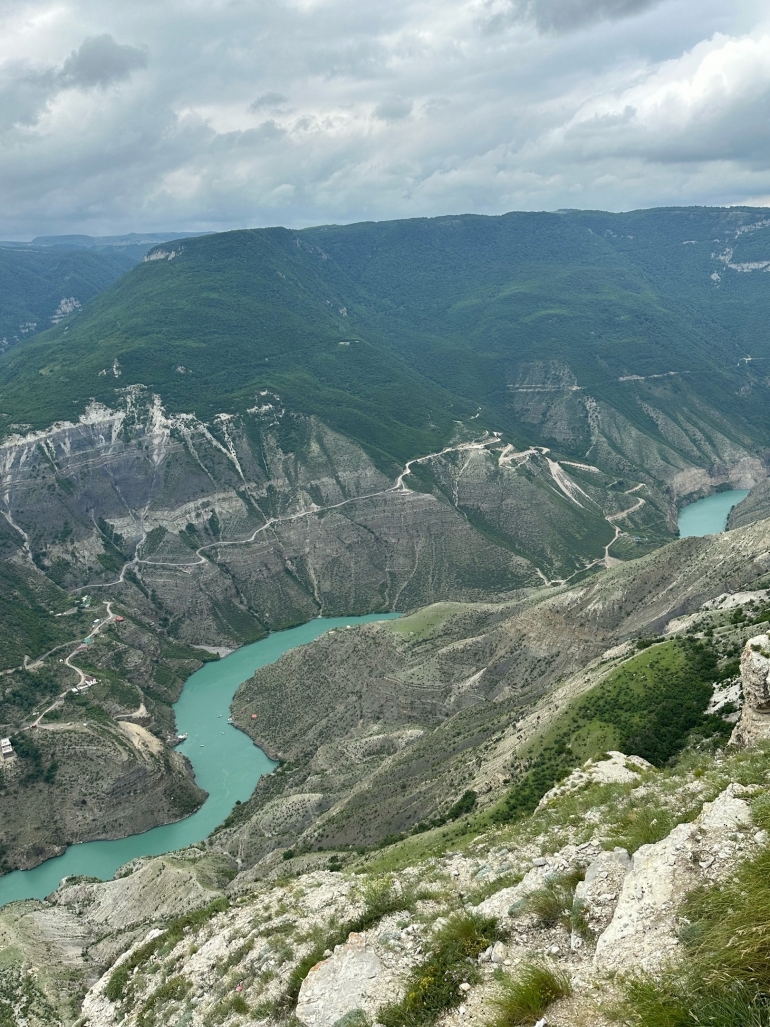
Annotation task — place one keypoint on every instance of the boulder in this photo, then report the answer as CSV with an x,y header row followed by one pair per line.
x,y
351,980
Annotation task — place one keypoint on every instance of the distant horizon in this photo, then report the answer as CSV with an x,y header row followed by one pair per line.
x,y
178,233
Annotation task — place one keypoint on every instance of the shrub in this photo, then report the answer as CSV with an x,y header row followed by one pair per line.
x,y
641,825
525,996
174,989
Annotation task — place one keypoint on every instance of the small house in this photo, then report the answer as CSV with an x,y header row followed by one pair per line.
x,y
6,749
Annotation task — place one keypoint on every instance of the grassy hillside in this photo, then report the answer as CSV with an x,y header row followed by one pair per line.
x,y
393,332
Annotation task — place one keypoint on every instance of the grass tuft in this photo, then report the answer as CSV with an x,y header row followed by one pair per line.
x,y
553,903
525,996
724,979
434,985
641,825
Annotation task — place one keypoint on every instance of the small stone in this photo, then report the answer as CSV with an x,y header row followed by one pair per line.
x,y
498,953
554,950
465,986
542,1023
760,837
540,862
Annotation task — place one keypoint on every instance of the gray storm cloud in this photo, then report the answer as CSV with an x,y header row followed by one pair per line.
x,y
566,15
26,90
98,61
187,115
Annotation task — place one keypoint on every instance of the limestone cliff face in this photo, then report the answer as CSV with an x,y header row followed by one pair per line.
x,y
225,529
754,725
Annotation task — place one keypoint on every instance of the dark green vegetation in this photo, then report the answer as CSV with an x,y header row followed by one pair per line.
x,y
27,601
525,995
434,985
651,706
724,979
20,997
33,283
392,332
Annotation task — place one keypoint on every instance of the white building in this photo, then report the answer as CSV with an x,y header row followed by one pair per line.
x,y
6,749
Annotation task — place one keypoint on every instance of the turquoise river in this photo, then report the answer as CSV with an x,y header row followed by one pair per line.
x,y
709,516
226,763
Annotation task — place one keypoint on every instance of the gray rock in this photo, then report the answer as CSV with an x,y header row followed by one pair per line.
x,y
754,724
342,985
643,934
499,953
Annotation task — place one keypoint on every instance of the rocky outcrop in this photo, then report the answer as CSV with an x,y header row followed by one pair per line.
x,y
161,888
754,724
597,894
614,768
643,932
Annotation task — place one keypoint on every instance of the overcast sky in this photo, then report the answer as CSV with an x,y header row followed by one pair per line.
x,y
155,115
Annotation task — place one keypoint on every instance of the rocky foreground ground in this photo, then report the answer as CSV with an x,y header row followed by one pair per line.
x,y
562,909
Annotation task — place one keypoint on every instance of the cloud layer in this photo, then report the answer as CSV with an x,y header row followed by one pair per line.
x,y
207,114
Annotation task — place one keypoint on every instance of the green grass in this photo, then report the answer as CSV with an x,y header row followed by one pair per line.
x,y
172,990
434,985
553,903
525,996
427,620
641,823
651,706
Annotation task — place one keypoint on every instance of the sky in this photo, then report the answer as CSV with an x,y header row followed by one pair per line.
x,y
192,115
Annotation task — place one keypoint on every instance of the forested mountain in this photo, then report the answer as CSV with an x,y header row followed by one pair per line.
x,y
393,331
44,282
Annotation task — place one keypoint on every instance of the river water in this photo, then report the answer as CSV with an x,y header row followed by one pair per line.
x,y
225,760
709,516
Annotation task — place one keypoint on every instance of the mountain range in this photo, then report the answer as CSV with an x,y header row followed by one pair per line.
x,y
486,424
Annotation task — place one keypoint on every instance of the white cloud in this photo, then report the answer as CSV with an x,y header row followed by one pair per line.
x,y
199,114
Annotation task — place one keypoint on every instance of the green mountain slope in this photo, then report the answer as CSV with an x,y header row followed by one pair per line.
x,y
393,332
39,287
